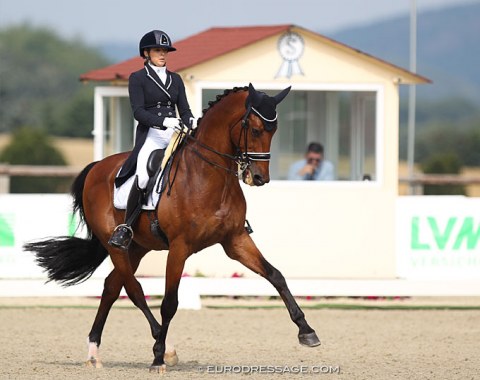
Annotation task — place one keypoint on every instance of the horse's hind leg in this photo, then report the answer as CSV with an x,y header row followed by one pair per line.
x,y
113,285
243,249
111,291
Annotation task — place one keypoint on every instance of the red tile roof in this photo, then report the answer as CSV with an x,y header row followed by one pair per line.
x,y
193,50
215,42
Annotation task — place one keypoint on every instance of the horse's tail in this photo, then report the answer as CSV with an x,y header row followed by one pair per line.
x,y
70,260
76,191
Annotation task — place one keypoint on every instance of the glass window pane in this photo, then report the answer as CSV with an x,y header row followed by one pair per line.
x,y
370,168
344,122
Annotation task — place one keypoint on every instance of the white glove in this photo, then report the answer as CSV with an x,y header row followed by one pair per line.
x,y
193,123
171,122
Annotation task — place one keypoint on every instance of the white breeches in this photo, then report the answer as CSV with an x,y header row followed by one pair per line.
x,y
156,139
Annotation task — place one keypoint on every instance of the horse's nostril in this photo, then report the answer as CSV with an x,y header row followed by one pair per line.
x,y
258,180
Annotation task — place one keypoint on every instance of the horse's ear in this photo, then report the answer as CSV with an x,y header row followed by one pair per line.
x,y
253,95
281,95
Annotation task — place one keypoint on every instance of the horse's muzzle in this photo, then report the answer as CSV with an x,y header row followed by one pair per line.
x,y
252,178
258,180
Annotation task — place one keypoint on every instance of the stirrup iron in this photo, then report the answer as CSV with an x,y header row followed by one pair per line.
x,y
121,237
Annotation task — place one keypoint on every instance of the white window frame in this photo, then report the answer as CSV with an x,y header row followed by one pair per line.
x,y
378,89
99,117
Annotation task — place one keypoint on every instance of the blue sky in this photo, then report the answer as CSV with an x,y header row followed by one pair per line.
x,y
100,21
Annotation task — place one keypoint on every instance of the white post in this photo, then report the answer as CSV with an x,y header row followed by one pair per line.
x,y
412,94
4,180
98,125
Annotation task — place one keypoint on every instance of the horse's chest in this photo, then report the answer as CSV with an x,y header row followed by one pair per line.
x,y
224,218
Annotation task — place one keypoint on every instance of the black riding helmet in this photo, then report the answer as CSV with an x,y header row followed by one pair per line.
x,y
155,38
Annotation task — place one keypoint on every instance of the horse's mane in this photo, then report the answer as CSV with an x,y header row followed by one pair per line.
x,y
219,97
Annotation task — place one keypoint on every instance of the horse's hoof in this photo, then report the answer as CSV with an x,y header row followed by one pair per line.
x,y
309,340
170,358
158,368
94,363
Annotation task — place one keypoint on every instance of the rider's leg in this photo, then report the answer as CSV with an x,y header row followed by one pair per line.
x,y
123,233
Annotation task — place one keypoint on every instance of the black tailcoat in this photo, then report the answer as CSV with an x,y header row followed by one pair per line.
x,y
152,101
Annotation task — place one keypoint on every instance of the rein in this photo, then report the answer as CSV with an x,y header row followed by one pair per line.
x,y
210,149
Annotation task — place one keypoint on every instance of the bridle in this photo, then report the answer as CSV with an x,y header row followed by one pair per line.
x,y
243,159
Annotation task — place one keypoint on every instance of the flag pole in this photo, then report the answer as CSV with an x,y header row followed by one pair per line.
x,y
412,95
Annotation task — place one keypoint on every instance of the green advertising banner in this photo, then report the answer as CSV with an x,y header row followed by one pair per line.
x,y
7,236
438,237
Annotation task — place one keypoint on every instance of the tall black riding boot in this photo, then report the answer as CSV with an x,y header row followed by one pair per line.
x,y
123,234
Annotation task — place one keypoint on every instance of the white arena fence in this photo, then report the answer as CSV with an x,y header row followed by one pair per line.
x,y
437,254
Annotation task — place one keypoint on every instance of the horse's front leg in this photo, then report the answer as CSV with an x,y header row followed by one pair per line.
x,y
175,264
243,249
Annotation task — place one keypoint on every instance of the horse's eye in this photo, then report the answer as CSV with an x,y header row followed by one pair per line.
x,y
256,132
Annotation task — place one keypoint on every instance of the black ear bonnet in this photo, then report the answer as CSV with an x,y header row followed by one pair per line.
x,y
264,106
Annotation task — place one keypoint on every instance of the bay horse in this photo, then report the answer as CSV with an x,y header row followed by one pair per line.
x,y
204,206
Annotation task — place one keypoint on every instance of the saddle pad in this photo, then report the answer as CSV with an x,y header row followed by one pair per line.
x,y
120,194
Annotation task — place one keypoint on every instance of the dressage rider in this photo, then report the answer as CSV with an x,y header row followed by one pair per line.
x,y
154,93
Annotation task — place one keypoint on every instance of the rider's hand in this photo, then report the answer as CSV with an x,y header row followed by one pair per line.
x,y
193,123
171,122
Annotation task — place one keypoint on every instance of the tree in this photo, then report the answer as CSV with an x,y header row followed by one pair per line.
x,y
32,147
39,84
462,138
443,163
75,119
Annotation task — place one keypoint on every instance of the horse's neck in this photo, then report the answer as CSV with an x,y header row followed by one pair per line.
x,y
215,128
215,138
210,172
212,153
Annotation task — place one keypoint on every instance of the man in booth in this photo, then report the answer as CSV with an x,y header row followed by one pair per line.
x,y
313,167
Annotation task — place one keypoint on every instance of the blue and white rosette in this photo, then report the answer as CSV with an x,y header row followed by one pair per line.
x,y
290,47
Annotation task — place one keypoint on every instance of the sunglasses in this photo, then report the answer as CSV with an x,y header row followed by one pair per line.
x,y
312,160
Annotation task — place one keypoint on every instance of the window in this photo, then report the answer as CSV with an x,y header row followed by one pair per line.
x,y
343,121
119,136
113,121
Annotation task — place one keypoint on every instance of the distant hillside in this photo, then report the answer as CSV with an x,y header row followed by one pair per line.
x,y
118,51
448,48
